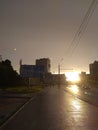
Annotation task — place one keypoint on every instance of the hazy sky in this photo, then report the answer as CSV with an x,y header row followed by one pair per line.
x,y
45,28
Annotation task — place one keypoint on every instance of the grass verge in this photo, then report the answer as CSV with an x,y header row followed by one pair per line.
x,y
23,89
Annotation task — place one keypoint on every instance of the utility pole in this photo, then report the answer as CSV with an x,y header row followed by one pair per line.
x,y
59,82
59,73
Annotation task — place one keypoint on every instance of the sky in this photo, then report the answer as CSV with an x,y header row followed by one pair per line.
x,y
34,29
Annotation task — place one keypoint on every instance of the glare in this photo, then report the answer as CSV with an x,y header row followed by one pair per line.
x,y
74,89
76,105
72,76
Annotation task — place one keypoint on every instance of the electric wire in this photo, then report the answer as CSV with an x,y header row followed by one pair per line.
x,y
78,35
84,27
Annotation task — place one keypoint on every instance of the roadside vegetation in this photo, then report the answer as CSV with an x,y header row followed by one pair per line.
x,y
8,76
22,89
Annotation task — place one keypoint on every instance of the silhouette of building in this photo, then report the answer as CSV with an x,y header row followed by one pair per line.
x,y
31,71
42,67
94,68
93,77
37,72
44,62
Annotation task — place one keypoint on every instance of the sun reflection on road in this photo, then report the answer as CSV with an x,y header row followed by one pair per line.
x,y
76,105
74,89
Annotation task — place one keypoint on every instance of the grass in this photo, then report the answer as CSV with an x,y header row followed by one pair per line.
x,y
23,89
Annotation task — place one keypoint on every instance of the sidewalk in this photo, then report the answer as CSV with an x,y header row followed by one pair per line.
x,y
11,102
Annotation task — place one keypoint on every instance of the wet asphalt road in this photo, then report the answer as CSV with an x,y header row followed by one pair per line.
x,y
55,109
88,95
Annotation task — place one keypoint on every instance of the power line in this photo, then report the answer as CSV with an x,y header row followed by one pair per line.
x,y
82,27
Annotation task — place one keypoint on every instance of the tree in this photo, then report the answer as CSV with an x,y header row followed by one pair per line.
x,y
8,76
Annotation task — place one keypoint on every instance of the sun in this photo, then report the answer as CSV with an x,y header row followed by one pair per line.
x,y
14,49
72,76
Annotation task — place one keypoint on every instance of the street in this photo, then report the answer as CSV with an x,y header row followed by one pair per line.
x,y
88,95
55,109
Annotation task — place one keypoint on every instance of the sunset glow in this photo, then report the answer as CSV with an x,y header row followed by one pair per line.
x,y
72,76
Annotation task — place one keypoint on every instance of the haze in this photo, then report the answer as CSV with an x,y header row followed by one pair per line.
x,y
31,29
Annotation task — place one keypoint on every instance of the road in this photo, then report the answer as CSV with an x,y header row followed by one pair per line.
x,y
55,109
88,95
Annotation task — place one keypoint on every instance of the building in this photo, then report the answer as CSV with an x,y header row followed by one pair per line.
x,y
94,73
31,71
94,68
37,72
42,67
84,80
44,62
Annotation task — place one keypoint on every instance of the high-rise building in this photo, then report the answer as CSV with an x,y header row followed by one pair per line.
x,y
44,62
94,68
